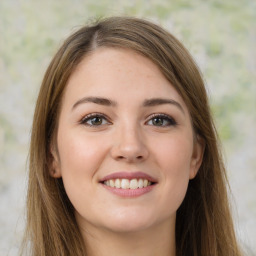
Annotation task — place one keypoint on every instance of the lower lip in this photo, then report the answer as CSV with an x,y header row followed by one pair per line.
x,y
129,192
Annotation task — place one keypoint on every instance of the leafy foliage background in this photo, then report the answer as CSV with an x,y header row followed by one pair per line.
x,y
221,35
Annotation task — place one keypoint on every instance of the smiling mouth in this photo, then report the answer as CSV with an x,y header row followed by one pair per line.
x,y
128,183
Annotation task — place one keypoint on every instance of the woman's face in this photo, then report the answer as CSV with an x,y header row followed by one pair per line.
x,y
126,149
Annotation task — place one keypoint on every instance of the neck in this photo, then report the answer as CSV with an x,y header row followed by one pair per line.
x,y
158,240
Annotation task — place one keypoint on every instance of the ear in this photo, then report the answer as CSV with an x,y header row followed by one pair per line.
x,y
197,156
54,165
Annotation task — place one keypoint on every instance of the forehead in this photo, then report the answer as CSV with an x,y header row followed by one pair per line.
x,y
120,74
106,61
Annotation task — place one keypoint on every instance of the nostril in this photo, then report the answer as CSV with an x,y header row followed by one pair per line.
x,y
129,158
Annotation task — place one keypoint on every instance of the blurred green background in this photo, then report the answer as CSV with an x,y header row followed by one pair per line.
x,y
221,35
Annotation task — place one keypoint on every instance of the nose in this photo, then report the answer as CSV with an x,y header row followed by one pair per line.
x,y
129,146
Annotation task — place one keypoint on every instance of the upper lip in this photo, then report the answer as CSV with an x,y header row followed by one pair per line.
x,y
128,175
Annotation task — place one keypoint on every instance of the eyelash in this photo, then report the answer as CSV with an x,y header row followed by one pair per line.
x,y
165,118
170,120
89,117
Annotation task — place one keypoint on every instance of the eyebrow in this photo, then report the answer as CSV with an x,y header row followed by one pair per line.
x,y
96,100
161,101
147,103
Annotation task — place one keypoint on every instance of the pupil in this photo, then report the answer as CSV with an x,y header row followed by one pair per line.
x,y
158,121
96,121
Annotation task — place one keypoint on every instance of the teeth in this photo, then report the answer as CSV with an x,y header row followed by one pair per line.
x,y
127,184
133,184
112,183
141,183
118,183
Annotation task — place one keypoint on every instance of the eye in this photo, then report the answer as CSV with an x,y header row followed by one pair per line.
x,y
161,120
94,120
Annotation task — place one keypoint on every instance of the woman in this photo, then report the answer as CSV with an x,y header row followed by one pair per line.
x,y
124,157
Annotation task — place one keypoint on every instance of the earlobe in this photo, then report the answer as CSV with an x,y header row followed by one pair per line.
x,y
54,166
197,157
55,174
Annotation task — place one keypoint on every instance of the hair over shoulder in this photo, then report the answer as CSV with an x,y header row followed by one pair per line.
x,y
204,223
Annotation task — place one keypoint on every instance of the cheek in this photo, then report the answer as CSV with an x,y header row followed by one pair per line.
x,y
79,153
174,155
80,158
174,159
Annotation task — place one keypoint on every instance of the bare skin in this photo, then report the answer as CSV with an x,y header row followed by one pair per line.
x,y
121,117
151,242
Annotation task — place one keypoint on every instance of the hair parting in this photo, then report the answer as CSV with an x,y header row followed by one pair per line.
x,y
204,223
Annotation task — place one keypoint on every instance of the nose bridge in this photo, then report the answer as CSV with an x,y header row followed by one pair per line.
x,y
129,143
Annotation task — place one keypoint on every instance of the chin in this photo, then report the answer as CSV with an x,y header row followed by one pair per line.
x,y
128,227
129,222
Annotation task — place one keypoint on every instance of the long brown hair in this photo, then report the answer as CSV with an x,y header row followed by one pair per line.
x,y
204,224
